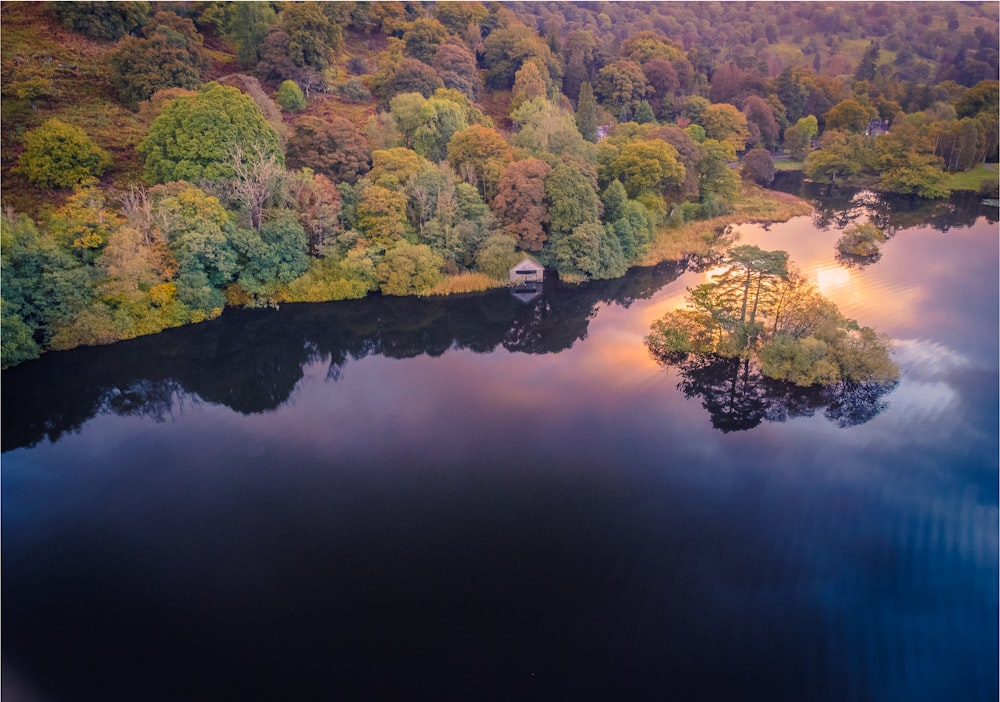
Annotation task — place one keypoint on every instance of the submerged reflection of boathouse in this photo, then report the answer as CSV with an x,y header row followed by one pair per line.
x,y
526,279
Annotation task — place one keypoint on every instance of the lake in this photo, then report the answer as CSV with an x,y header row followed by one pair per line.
x,y
481,498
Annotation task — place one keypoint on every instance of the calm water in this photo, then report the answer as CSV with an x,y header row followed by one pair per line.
x,y
480,499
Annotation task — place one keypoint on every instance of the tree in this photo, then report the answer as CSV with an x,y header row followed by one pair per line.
x,y
798,137
405,76
290,96
335,148
248,27
589,251
644,113
663,82
273,255
724,122
409,269
586,113
718,184
381,215
621,86
529,83
841,157
61,155
572,200
193,136
422,37
200,235
847,115
758,166
547,130
758,112
868,64
861,240
456,67
316,202
984,96
169,55
496,255
648,166
508,48
312,37
520,202
479,154
258,179
102,20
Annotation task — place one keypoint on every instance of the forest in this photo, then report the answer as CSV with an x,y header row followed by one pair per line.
x,y
162,161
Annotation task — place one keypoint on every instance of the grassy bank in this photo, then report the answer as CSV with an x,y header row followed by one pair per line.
x,y
978,177
754,205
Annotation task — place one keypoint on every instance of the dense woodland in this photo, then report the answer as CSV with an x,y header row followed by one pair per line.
x,y
162,161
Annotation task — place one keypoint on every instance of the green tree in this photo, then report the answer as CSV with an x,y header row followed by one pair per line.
x,y
290,96
422,37
648,166
861,240
248,26
496,255
409,269
841,157
799,136
586,113
508,48
61,155
572,200
170,54
194,135
313,38
849,116
868,64
644,113
622,86
718,184
274,255
102,20
589,251
17,343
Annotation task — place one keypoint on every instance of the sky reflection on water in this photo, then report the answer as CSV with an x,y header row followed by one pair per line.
x,y
513,524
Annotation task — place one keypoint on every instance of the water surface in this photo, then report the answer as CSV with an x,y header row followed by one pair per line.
x,y
476,498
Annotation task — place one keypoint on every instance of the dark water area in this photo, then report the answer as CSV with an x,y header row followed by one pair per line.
x,y
478,498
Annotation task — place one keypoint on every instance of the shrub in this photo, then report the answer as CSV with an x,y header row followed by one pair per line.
x,y
60,155
290,96
861,240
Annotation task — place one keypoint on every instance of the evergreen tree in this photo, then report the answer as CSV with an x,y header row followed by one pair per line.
x,y
644,113
586,113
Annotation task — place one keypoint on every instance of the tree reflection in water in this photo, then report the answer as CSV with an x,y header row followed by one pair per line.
x,y
739,397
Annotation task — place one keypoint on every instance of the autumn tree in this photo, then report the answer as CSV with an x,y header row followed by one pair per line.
x,y
335,148
849,116
508,48
479,154
761,115
381,215
456,66
529,83
61,155
316,201
758,166
194,136
724,122
520,202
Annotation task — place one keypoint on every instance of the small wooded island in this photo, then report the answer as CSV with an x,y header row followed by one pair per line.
x,y
162,161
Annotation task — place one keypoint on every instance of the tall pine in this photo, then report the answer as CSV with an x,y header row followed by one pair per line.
x,y
586,113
